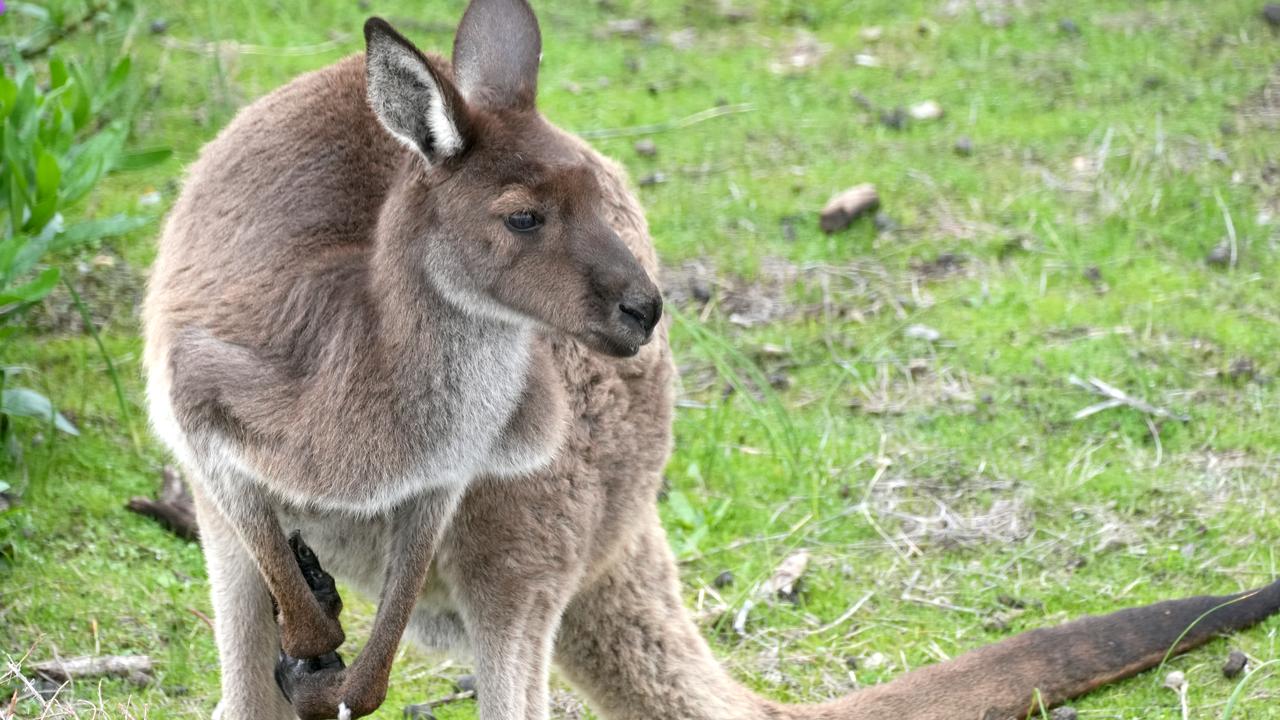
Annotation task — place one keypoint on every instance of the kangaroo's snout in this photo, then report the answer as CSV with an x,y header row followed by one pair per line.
x,y
630,305
642,309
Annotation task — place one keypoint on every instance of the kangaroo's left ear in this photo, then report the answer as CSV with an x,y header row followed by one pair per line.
x,y
414,101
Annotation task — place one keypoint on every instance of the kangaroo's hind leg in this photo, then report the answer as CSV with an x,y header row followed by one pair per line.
x,y
244,625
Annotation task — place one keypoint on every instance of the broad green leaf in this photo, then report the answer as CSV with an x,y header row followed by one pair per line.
x,y
48,175
142,159
91,161
91,230
8,96
683,510
21,402
58,74
119,74
42,285
31,249
41,213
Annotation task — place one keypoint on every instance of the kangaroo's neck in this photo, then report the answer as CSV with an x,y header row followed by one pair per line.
x,y
426,333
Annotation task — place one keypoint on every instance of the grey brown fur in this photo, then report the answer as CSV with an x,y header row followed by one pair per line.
x,y
343,338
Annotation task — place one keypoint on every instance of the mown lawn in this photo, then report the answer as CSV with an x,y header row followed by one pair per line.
x,y
896,398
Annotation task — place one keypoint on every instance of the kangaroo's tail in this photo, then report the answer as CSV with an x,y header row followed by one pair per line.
x,y
628,643
1013,677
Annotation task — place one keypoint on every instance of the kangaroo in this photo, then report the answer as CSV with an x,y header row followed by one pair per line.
x,y
398,311
368,350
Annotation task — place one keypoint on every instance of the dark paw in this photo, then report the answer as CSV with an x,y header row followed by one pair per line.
x,y
320,582
301,677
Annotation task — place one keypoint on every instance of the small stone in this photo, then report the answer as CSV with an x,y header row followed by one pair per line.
x,y
875,661
789,224
629,27
1220,255
1271,13
927,110
1242,369
1175,681
866,60
894,119
159,26
964,146
646,148
1063,713
844,208
884,223
418,712
683,39
922,332
1067,26
998,20
1235,664
700,289
723,580
871,34
466,683
651,179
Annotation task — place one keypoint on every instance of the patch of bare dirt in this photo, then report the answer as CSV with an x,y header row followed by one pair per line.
x,y
1262,110
783,291
110,288
916,384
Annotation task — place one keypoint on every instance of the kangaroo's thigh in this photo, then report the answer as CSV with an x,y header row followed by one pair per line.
x,y
511,565
244,626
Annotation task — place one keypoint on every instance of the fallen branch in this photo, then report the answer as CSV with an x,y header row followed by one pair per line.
x,y
1118,398
136,668
174,509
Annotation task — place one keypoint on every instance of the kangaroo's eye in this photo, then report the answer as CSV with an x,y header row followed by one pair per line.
x,y
523,221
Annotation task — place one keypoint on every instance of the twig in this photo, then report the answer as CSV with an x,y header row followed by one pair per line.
x,y
853,609
204,618
432,704
1231,227
1116,398
654,129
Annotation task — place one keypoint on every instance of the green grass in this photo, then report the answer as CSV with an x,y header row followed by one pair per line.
x,y
1104,167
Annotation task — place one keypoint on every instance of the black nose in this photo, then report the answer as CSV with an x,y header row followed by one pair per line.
x,y
645,311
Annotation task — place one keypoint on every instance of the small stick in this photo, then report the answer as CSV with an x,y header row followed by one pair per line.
x,y
1117,397
1231,227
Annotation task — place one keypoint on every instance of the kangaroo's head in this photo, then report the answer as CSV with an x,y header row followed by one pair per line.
x,y
502,212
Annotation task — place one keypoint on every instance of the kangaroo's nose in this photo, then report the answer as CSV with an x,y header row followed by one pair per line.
x,y
644,310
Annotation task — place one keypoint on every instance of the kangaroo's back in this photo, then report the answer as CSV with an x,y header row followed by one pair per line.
x,y
295,181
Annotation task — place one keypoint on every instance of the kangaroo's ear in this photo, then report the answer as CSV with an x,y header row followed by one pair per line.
x,y
496,54
418,104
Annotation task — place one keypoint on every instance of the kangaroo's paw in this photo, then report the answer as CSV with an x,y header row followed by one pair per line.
x,y
313,686
314,634
320,582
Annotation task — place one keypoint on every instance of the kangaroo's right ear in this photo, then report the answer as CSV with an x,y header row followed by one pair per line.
x,y
416,103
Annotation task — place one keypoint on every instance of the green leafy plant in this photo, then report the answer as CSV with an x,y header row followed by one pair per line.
x,y
53,151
